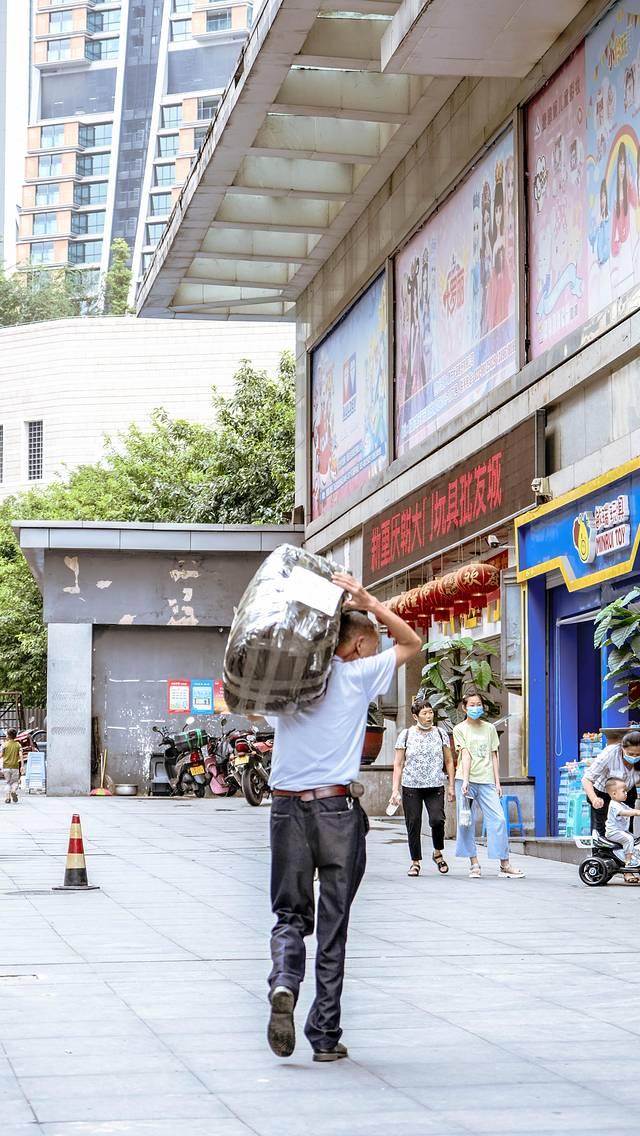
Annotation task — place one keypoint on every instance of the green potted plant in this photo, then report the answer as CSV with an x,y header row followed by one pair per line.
x,y
617,626
454,666
374,734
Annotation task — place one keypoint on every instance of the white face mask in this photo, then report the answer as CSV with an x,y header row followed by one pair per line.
x,y
424,725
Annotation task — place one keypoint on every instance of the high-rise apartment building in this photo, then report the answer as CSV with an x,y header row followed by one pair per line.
x,y
14,90
122,97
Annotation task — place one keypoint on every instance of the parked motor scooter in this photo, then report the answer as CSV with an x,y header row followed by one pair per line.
x,y
232,729
32,740
184,760
251,762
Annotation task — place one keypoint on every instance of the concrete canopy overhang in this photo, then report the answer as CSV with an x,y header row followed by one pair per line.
x,y
38,537
324,105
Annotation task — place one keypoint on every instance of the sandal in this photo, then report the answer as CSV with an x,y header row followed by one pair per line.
x,y
440,863
633,880
474,872
414,870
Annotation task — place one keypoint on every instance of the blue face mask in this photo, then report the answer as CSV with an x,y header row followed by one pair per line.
x,y
631,760
475,712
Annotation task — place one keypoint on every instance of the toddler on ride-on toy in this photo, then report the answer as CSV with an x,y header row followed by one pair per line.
x,y
608,852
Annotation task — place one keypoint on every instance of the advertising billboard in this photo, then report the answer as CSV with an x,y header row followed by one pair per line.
x,y
455,282
584,227
349,401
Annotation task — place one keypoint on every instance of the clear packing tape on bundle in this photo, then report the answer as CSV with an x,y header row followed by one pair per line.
x,y
284,635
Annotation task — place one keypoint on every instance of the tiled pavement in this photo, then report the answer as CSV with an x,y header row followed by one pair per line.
x,y
139,1010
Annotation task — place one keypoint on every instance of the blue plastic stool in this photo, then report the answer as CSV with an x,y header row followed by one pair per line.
x,y
513,826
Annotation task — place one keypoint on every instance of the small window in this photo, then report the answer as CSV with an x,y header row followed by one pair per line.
x,y
90,165
85,252
207,107
180,30
35,455
48,194
102,49
94,193
52,136
103,21
171,116
58,49
99,135
42,252
160,204
219,21
50,165
88,223
168,145
199,135
182,6
60,22
165,174
154,232
45,224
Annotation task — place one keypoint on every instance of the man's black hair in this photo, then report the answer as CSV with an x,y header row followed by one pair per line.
x,y
632,738
354,623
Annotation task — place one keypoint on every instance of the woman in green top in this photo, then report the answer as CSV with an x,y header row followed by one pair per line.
x,y
478,786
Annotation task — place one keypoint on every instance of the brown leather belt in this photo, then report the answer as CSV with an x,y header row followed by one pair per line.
x,y
313,794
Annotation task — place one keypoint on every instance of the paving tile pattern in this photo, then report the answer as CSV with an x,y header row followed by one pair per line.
x,y
470,1006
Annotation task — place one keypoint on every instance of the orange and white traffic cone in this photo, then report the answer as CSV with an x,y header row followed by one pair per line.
x,y
75,873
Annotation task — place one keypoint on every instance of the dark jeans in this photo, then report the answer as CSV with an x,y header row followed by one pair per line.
x,y
412,802
328,834
599,816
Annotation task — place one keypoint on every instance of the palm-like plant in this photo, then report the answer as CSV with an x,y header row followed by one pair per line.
x,y
618,626
455,667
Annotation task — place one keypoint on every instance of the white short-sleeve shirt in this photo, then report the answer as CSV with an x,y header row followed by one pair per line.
x,y
322,745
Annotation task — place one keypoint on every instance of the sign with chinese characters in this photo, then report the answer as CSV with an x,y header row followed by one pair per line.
x,y
493,484
202,696
603,531
178,695
455,310
590,535
584,181
349,401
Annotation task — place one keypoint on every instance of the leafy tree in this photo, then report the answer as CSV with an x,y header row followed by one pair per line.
x,y
118,280
34,295
48,294
617,626
238,471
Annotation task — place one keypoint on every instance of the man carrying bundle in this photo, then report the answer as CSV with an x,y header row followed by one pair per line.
x,y
317,823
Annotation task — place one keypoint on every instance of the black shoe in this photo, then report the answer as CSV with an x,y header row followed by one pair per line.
x,y
334,1054
281,1033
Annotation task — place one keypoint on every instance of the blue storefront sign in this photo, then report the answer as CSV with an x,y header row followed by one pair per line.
x,y
202,696
590,535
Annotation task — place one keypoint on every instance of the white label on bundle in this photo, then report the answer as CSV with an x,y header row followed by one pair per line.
x,y
314,591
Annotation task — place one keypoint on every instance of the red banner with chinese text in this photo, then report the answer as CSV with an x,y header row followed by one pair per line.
x,y
491,485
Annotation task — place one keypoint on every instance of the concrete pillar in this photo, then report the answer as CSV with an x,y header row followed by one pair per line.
x,y
69,709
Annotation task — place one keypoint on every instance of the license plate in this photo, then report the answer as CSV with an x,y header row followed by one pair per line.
x,y
196,770
241,759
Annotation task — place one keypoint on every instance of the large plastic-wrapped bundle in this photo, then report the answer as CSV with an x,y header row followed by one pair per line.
x,y
284,634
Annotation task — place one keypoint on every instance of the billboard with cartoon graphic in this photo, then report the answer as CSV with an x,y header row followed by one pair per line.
x,y
349,401
455,301
584,232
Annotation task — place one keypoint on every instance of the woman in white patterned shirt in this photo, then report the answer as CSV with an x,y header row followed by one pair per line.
x,y
422,754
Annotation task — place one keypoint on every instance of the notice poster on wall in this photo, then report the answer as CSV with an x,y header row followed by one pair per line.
x,y
455,301
178,695
202,696
219,700
349,401
584,199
